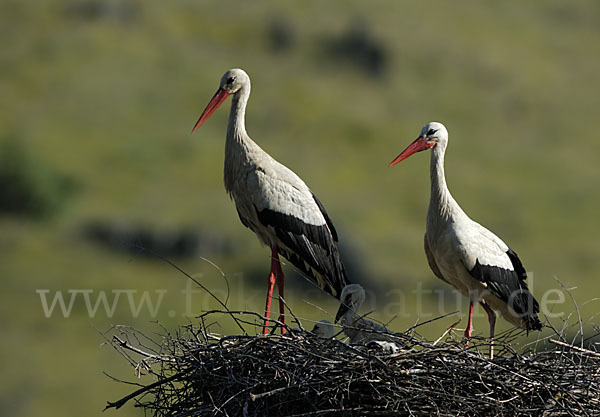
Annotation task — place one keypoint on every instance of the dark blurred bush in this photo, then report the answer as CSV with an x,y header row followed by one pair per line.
x,y
280,34
121,11
358,47
147,241
28,188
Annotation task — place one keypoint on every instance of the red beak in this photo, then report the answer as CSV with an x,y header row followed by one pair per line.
x,y
213,105
418,145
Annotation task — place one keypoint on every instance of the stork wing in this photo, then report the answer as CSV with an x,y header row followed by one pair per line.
x,y
305,232
326,216
489,260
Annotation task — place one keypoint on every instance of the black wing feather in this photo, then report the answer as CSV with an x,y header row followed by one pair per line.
x,y
309,244
242,218
327,219
510,287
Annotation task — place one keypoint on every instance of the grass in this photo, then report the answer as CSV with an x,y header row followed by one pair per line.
x,y
109,100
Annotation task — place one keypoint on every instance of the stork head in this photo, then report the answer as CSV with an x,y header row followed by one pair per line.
x,y
353,296
232,82
431,135
323,329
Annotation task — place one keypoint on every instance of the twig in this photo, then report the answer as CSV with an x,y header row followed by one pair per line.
x,y
125,345
445,333
577,348
214,265
255,397
120,403
296,320
414,326
203,287
576,308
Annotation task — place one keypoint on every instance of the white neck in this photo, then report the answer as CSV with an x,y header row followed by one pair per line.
x,y
442,206
236,127
240,150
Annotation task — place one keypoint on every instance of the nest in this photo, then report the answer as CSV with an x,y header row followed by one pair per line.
x,y
300,374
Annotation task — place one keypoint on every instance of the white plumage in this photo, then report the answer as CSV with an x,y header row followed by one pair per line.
x,y
465,254
274,202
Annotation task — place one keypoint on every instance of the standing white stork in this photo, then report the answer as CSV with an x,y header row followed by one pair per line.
x,y
465,254
274,202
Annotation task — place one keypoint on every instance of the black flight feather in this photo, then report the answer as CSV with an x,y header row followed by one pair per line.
x,y
309,244
510,287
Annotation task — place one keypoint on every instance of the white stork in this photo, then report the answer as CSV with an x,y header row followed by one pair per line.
x,y
274,202
358,329
465,254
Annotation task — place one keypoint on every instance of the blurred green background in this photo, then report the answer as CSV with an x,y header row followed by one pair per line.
x,y
97,100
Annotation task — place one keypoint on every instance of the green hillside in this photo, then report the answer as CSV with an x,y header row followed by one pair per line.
x,y
97,101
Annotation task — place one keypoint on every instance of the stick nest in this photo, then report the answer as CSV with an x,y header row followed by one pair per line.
x,y
196,373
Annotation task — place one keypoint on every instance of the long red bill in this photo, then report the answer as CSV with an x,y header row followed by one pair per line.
x,y
418,145
213,105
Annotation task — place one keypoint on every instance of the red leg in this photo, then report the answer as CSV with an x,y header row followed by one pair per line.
x,y
469,329
492,319
279,275
270,285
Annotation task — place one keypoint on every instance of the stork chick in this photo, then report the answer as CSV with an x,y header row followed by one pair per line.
x,y
358,329
323,329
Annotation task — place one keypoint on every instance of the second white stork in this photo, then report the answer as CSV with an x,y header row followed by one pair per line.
x,y
274,202
465,254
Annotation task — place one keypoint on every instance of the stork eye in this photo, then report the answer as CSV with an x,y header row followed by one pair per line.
x,y
230,80
431,132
